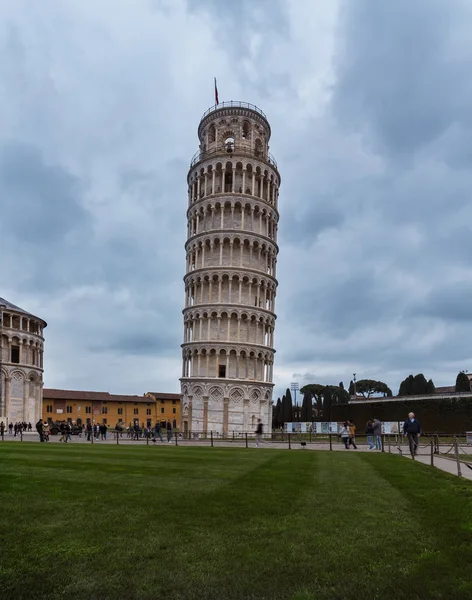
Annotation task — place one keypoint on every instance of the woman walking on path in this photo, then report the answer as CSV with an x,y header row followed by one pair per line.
x,y
352,434
169,432
344,433
369,432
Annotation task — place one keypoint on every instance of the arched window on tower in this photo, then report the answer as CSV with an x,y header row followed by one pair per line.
x,y
258,149
229,145
245,134
211,134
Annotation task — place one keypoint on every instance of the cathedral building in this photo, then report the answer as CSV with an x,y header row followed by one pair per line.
x,y
21,364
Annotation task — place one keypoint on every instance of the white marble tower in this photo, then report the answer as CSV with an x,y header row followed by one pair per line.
x,y
230,284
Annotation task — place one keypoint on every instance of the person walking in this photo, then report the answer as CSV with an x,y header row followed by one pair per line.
x,y
412,430
259,431
68,432
2,429
352,434
369,432
89,431
10,427
377,425
169,432
157,432
40,430
45,431
344,433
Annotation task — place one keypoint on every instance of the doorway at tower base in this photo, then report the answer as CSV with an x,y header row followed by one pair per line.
x,y
225,408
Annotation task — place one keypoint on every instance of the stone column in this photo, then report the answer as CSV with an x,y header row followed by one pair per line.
x,y
7,397
205,413
225,416
245,414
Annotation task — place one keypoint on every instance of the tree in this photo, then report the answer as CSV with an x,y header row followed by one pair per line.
x,y
368,387
288,396
419,385
327,402
287,408
316,390
278,416
341,385
307,407
430,387
416,385
352,389
462,383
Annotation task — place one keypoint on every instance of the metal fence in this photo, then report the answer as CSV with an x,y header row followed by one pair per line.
x,y
442,444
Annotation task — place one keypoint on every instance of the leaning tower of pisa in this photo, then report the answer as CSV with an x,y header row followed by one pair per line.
x,y
230,284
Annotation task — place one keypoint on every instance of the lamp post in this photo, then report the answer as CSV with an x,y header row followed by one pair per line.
x,y
2,406
354,382
295,387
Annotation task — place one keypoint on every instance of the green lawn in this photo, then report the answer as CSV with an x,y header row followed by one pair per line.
x,y
86,522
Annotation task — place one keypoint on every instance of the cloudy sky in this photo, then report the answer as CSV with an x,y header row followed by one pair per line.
x,y
371,111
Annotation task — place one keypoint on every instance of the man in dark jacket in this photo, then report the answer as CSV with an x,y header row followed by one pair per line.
x,y
412,430
39,429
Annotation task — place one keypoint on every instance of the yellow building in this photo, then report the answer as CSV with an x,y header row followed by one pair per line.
x,y
101,407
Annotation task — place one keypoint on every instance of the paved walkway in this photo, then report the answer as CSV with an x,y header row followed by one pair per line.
x,y
449,465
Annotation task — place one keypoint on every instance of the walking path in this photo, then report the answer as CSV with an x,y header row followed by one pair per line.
x,y
449,465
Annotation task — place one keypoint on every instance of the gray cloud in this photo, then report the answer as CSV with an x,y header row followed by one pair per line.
x,y
369,105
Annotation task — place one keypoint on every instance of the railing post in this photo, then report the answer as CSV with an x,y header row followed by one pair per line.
x,y
389,449
117,441
246,438
289,444
456,449
382,439
211,437
21,435
176,438
147,439
233,435
330,441
432,453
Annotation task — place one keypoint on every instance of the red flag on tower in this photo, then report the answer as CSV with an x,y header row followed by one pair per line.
x,y
216,93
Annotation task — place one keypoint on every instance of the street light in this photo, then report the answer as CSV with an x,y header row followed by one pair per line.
x,y
354,382
295,387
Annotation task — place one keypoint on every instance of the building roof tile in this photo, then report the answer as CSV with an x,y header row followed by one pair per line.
x,y
54,394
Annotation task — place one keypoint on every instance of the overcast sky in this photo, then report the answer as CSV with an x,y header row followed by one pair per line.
x,y
370,105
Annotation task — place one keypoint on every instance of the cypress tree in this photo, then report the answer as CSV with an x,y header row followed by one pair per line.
x,y
419,385
409,385
352,390
287,409
278,414
307,410
462,383
288,397
430,388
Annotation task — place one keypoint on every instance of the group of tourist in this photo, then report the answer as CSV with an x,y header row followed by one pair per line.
x,y
373,432
16,428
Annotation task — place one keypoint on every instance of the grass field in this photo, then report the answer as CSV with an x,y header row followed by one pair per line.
x,y
86,522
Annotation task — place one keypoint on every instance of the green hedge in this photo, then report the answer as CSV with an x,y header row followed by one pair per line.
x,y
448,415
